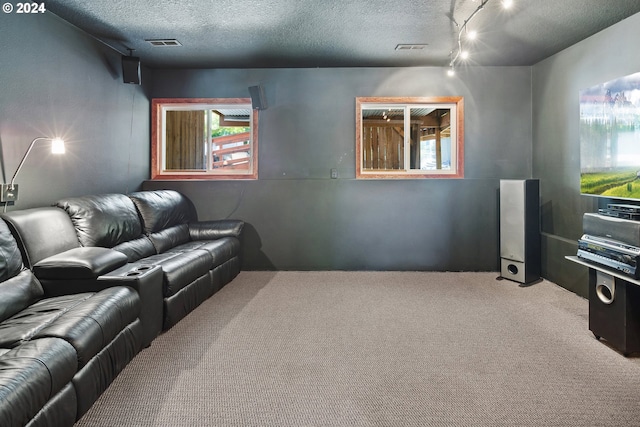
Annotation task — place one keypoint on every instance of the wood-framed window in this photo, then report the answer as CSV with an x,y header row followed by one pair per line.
x,y
204,138
411,137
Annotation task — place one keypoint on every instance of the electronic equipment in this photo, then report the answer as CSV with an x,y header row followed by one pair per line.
x,y
131,69
624,208
520,253
258,98
611,253
613,228
620,214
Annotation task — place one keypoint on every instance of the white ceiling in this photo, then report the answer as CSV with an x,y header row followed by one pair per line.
x,y
337,33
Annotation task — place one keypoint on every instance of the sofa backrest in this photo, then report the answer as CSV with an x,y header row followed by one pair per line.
x,y
104,220
18,287
165,217
41,232
162,209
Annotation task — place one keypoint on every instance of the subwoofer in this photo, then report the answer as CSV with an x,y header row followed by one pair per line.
x,y
614,312
520,253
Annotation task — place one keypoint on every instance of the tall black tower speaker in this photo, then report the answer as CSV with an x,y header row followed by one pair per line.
x,y
520,253
131,70
258,99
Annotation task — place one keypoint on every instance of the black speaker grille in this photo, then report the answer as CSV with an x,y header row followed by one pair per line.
x,y
131,69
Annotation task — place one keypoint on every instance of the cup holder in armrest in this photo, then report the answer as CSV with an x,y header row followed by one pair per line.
x,y
132,271
139,270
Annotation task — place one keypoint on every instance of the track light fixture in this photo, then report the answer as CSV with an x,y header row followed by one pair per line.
x,y
458,53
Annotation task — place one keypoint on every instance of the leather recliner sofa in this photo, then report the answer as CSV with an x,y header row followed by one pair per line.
x,y
132,264
107,237
58,353
161,228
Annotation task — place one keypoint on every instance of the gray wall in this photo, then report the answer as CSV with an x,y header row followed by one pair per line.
x,y
299,218
57,81
556,84
520,122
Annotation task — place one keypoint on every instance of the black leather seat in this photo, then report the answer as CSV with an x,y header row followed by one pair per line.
x,y
161,228
53,348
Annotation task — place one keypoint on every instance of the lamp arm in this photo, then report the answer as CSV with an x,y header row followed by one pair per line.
x,y
11,186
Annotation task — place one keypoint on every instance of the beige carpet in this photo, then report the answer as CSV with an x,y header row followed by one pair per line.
x,y
377,349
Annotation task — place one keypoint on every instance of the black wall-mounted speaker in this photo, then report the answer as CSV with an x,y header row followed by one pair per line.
x,y
131,70
258,99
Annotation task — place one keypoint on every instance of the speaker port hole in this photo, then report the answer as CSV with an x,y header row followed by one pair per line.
x,y
512,269
604,294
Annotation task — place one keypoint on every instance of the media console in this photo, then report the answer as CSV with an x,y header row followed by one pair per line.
x,y
614,306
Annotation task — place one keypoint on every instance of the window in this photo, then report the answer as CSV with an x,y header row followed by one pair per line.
x,y
410,137
206,138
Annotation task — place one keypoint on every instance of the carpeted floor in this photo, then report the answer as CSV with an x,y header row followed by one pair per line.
x,y
377,349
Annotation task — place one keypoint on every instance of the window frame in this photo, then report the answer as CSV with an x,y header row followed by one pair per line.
x,y
397,102
158,108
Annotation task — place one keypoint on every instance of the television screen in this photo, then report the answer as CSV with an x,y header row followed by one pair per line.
x,y
610,139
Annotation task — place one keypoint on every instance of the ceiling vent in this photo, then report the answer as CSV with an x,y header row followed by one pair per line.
x,y
163,42
411,46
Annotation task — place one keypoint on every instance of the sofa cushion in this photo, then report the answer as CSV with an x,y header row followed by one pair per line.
x,y
10,257
221,250
136,249
103,220
30,375
180,269
18,293
171,237
33,228
162,209
87,321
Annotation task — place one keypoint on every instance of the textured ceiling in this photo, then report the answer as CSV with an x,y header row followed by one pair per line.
x,y
333,33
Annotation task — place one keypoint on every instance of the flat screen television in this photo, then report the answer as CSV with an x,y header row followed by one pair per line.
x,y
610,139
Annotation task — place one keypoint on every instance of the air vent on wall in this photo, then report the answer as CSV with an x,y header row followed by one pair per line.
x,y
411,46
163,42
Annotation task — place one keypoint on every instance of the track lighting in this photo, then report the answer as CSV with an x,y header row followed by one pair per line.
x,y
507,4
458,52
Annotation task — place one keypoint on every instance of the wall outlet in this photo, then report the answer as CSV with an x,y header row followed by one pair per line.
x,y
334,173
9,194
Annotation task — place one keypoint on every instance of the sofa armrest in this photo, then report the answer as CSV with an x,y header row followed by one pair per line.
x,y
146,279
79,263
215,229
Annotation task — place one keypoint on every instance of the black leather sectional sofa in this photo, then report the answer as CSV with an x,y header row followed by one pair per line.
x,y
89,282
